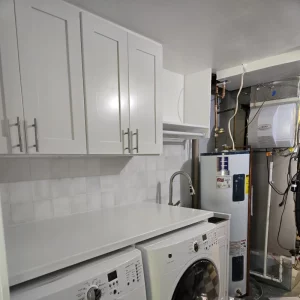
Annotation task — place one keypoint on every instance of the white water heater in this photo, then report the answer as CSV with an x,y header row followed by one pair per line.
x,y
225,188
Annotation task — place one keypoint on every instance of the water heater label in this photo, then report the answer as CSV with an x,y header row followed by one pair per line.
x,y
224,182
238,248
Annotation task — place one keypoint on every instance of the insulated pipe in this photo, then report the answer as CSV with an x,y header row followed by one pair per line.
x,y
268,219
195,174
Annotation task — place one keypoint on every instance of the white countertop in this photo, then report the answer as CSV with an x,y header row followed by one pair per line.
x,y
36,249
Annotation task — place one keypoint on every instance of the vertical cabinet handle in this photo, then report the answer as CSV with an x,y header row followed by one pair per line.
x,y
35,125
18,125
128,140
137,140
36,137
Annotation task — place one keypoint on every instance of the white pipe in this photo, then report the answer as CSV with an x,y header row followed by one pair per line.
x,y
268,219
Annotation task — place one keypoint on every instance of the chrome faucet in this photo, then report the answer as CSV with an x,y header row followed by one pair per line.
x,y
192,190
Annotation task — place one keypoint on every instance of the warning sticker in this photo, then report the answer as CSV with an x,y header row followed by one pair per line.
x,y
238,248
223,182
247,184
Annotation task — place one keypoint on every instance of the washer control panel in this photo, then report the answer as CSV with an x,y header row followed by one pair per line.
x,y
204,242
113,284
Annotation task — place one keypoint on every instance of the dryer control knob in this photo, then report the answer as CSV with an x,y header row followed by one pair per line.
x,y
196,247
94,293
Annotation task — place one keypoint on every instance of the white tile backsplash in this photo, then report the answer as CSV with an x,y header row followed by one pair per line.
x,y
79,203
56,187
22,212
93,185
21,192
42,190
43,210
62,206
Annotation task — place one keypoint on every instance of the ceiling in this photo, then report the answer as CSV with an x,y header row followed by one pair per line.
x,y
197,34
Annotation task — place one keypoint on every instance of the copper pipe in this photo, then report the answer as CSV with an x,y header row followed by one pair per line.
x,y
223,90
195,173
216,114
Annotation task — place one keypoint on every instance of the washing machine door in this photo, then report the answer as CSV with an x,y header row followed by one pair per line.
x,y
199,281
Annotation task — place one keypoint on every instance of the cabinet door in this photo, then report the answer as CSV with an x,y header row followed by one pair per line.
x,y
11,107
106,85
145,70
51,76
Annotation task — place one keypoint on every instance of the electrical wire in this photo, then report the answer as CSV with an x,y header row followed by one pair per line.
x,y
236,109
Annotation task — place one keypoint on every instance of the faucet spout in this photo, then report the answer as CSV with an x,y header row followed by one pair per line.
x,y
192,190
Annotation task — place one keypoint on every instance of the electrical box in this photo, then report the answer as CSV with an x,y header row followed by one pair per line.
x,y
273,126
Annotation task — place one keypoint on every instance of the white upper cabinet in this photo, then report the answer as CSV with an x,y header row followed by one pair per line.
x,y
105,65
12,139
51,76
145,71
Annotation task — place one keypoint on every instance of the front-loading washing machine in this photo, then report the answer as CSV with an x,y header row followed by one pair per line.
x,y
117,276
183,265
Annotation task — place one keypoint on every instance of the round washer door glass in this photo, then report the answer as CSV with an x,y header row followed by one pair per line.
x,y
199,281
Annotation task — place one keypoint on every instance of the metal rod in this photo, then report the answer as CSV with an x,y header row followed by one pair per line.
x,y
195,174
268,219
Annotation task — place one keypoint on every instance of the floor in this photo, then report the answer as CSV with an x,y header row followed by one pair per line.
x,y
272,292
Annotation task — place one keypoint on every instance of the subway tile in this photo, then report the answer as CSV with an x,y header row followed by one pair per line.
x,y
79,204
3,170
94,201
93,185
107,199
77,167
140,163
152,181
6,214
78,186
61,187
141,195
173,162
109,182
4,192
43,210
152,193
59,168
113,166
21,192
92,167
42,190
160,162
40,168
18,170
161,176
22,212
61,206
151,163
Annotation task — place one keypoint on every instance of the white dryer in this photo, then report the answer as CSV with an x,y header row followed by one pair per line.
x,y
183,265
116,276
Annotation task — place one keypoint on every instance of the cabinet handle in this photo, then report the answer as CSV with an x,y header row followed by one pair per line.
x,y
35,126
137,140
18,124
128,140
